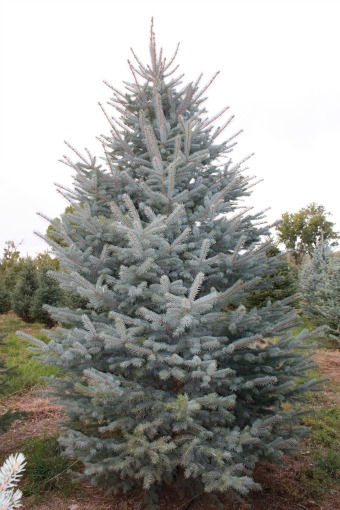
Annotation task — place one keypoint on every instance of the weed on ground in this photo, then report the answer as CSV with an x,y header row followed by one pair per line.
x,y
46,469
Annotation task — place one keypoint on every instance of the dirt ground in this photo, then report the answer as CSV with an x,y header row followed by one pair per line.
x,y
283,486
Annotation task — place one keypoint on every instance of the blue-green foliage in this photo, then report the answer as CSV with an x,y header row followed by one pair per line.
x,y
167,375
320,288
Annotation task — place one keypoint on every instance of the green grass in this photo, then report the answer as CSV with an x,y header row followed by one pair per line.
x,y
322,340
15,351
328,463
46,470
323,443
322,474
325,426
305,324
9,323
323,471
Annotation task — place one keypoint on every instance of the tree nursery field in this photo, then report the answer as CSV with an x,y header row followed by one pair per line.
x,y
173,381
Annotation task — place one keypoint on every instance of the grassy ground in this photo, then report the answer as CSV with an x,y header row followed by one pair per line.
x,y
28,371
308,481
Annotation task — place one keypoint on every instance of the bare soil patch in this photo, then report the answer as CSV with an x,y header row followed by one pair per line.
x,y
42,417
329,363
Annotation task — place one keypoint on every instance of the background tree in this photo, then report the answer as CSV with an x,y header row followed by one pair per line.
x,y
48,292
10,267
301,232
11,253
7,418
24,291
320,288
52,231
164,382
279,285
44,260
5,296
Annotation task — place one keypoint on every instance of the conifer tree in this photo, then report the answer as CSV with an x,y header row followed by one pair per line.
x,y
10,267
7,418
5,296
320,289
48,292
281,284
168,377
24,291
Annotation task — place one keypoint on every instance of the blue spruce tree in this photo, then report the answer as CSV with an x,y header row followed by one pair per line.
x,y
320,289
167,376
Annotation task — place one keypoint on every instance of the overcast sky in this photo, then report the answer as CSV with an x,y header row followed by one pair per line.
x,y
280,75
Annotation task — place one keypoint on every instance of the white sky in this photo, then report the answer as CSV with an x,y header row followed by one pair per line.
x,y
280,75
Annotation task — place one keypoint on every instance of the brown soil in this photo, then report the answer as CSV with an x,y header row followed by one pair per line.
x,y
42,417
283,486
329,363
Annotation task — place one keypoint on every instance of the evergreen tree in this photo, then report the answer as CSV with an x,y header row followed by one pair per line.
x,y
281,284
5,296
52,232
10,266
74,301
48,292
168,377
24,291
9,416
320,288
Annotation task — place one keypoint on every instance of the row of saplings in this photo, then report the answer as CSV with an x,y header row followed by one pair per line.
x,y
25,286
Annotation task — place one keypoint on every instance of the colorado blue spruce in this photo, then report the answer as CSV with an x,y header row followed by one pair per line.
x,y
168,378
